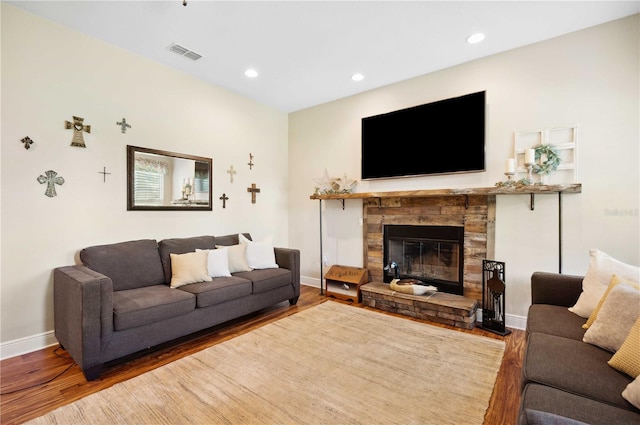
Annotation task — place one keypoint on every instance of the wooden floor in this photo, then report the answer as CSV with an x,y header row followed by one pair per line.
x,y
26,392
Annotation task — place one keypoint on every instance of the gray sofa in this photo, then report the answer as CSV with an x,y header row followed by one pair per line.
x,y
119,301
564,380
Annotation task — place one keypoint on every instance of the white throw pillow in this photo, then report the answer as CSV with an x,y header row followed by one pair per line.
x,y
632,392
189,268
260,254
237,255
617,316
597,278
217,262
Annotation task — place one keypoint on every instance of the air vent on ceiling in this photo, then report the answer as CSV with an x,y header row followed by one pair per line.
x,y
176,48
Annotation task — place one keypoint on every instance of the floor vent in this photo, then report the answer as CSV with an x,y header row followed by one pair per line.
x,y
176,48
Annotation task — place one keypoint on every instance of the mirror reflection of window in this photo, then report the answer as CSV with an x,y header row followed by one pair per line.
x,y
149,187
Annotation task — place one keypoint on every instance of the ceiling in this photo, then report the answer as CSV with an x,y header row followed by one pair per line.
x,y
306,51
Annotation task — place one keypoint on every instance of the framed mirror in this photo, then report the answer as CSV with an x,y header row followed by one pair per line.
x,y
161,180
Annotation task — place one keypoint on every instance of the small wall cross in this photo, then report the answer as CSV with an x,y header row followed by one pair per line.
x,y
123,125
231,173
78,127
27,142
250,163
224,198
253,190
104,174
52,179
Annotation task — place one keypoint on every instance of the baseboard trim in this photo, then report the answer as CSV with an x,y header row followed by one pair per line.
x,y
27,344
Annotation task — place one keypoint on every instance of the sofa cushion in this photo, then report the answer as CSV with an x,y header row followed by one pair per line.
x,y
229,240
129,265
575,367
181,246
538,417
219,290
615,280
237,257
267,279
141,306
554,320
561,403
260,254
632,393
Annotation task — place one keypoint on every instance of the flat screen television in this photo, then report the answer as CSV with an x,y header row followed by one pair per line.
x,y
442,137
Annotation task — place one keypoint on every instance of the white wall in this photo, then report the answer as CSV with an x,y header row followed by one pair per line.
x,y
50,73
589,78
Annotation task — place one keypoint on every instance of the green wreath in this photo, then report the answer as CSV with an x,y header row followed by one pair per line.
x,y
552,162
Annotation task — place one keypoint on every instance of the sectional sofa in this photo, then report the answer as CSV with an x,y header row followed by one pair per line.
x,y
129,296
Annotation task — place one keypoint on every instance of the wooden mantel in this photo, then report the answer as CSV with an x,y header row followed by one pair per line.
x,y
522,190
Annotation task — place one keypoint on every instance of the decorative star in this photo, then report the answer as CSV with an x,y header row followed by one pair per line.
x,y
345,184
325,182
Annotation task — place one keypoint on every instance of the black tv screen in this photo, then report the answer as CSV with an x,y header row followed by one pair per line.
x,y
443,137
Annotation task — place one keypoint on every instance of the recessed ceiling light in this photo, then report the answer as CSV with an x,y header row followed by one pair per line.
x,y
475,38
357,77
251,73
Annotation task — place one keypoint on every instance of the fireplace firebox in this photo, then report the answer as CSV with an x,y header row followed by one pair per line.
x,y
433,255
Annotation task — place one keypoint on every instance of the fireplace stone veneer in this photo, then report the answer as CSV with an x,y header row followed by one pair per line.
x,y
474,213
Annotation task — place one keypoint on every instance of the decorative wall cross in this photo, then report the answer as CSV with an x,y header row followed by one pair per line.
x,y
231,173
253,190
51,178
104,174
123,125
27,142
250,163
224,198
78,127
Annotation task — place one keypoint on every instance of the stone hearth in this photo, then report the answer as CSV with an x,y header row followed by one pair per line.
x,y
439,307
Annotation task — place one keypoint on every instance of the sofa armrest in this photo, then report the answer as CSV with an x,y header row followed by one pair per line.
x,y
83,313
555,289
289,258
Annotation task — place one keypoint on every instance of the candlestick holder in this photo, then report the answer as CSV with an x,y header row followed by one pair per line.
x,y
509,175
529,166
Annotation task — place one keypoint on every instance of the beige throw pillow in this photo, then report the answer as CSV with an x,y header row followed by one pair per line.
x,y
627,358
617,316
596,280
189,268
632,393
237,255
614,281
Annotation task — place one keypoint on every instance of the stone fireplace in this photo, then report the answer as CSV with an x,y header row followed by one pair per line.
x,y
472,215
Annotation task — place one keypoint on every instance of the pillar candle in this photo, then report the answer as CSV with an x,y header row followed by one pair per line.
x,y
510,166
530,156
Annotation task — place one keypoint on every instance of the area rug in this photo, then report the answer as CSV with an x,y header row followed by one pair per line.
x,y
330,364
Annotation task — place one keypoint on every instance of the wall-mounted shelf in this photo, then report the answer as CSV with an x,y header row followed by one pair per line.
x,y
531,190
522,190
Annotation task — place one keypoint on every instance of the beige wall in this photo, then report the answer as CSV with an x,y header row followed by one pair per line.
x,y
589,78
50,73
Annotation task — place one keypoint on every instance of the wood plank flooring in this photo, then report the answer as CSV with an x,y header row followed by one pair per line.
x,y
27,394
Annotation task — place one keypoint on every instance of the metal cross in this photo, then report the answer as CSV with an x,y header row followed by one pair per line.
x,y
231,173
253,190
104,174
123,125
51,178
224,199
27,142
78,128
250,163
